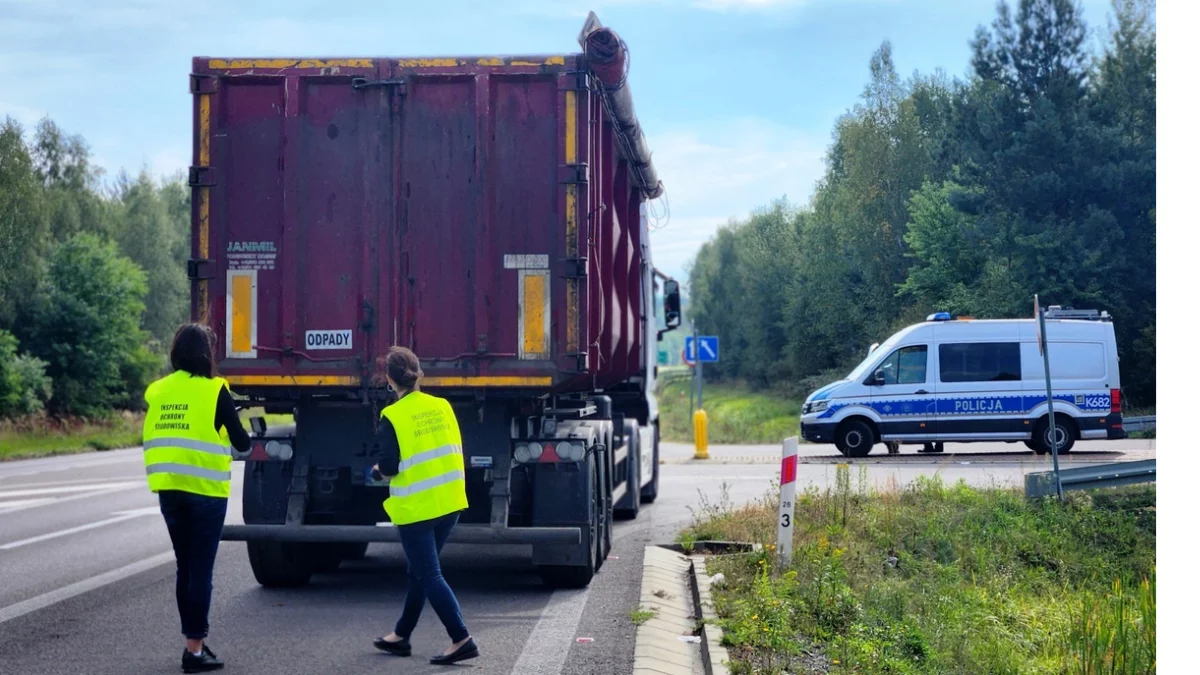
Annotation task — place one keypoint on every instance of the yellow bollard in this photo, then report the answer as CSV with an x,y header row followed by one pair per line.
x,y
700,424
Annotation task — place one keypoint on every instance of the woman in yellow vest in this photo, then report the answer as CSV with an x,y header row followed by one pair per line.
x,y
190,423
422,450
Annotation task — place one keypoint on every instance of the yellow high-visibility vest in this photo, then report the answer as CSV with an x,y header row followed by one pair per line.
x,y
431,481
181,448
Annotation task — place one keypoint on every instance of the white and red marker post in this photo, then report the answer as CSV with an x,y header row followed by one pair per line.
x,y
787,499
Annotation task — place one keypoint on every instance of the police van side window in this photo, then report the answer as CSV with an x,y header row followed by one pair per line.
x,y
980,362
905,365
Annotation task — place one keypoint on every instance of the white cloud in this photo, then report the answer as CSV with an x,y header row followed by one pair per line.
x,y
724,171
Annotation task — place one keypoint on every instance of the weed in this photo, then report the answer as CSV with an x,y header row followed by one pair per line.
x,y
640,616
940,578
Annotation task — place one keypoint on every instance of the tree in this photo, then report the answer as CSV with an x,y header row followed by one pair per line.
x,y
147,234
84,324
23,222
24,386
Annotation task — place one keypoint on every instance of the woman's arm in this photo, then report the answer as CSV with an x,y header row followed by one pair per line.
x,y
389,464
227,416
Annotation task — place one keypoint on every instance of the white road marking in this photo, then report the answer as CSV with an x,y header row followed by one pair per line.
x,y
67,592
76,481
87,487
59,500
19,504
119,516
546,649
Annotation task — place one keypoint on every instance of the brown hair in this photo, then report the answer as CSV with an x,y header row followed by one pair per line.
x,y
404,368
192,350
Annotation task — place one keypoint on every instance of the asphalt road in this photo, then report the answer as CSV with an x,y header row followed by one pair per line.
x,y
86,573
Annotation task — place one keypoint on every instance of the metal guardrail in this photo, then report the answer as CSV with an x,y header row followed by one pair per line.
x,y
1041,484
1138,423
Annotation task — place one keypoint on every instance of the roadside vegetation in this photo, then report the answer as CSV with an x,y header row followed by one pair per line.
x,y
92,286
736,414
937,578
37,436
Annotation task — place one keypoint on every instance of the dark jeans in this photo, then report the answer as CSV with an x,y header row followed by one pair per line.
x,y
195,523
423,542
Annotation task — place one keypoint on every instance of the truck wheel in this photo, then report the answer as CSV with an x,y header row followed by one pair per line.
x,y
579,576
355,550
855,438
279,564
630,503
1065,427
325,558
650,491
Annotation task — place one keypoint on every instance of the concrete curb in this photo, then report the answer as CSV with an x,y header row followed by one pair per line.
x,y
676,640
716,658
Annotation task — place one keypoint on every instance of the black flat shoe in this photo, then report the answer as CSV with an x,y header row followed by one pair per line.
x,y
400,647
207,661
467,651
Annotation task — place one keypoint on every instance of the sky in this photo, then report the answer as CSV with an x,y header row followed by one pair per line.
x,y
738,98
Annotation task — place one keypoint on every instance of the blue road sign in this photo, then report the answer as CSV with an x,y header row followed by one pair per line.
x,y
710,350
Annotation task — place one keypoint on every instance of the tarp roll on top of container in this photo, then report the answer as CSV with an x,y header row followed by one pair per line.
x,y
608,59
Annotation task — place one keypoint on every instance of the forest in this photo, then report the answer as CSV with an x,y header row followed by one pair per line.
x,y
1033,174
92,277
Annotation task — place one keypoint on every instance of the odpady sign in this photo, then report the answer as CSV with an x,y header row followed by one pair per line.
x,y
329,339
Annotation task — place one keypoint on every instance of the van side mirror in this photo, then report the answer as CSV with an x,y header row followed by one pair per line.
x,y
877,379
672,304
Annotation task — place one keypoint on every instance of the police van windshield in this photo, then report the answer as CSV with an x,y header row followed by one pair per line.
x,y
882,350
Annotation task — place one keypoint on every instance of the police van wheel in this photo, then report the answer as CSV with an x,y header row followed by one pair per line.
x,y
855,438
1066,434
1036,448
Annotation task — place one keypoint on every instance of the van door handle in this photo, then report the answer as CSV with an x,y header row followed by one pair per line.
x,y
920,391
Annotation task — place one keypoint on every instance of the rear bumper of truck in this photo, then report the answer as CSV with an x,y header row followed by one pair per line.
x,y
462,534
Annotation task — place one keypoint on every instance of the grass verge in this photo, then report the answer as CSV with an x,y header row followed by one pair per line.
x,y
939,579
736,413
43,437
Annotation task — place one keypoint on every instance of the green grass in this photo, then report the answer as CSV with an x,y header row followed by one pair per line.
x,y
640,616
736,414
41,437
940,579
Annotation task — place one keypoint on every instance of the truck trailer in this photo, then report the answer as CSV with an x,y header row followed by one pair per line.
x,y
490,213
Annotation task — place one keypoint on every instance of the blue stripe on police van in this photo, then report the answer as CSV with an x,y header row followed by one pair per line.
x,y
824,392
973,405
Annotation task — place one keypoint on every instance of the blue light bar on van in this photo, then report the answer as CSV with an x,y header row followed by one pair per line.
x,y
939,316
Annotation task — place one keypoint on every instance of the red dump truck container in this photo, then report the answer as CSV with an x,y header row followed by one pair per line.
x,y
477,210
487,212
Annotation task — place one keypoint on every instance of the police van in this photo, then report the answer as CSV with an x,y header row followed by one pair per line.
x,y
961,380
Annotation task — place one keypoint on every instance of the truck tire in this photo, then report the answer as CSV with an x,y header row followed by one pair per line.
x,y
628,508
279,564
579,576
650,491
355,550
855,438
325,558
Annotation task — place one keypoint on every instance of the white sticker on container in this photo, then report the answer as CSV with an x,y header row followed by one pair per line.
x,y
535,261
329,339
481,461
